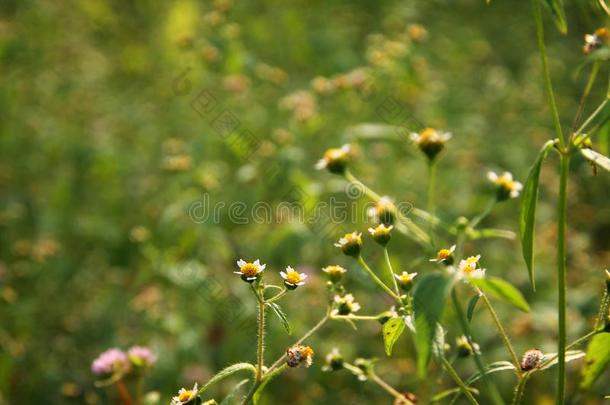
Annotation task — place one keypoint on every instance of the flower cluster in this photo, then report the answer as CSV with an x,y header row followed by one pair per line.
x,y
469,268
252,271
117,362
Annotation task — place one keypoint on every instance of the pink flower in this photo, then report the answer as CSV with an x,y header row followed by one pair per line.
x,y
141,356
109,362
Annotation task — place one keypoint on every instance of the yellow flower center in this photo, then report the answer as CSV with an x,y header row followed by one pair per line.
x,y
185,395
334,154
469,268
249,269
307,352
505,183
427,134
293,277
443,254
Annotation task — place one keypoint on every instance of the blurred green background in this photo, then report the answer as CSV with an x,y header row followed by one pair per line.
x,y
106,153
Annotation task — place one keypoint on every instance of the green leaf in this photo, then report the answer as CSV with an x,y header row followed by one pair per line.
x,y
281,315
492,368
596,360
596,158
559,14
226,373
570,356
527,216
429,296
471,306
230,398
503,290
392,330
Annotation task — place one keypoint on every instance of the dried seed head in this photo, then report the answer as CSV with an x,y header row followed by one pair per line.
x,y
531,359
299,356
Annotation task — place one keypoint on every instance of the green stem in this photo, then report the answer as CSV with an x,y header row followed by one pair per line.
x,y
545,71
454,375
376,279
430,198
495,394
585,94
353,317
490,206
591,117
400,398
277,296
503,335
261,340
561,276
415,231
387,259
520,389
310,332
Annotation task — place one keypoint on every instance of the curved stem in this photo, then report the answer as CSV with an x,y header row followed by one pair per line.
x,y
302,339
495,394
503,335
123,392
490,206
430,198
591,117
415,231
387,259
353,317
400,398
520,389
454,375
376,279
585,94
277,296
545,71
561,276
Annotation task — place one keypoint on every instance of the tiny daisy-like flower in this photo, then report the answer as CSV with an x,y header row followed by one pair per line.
x,y
506,186
141,356
430,141
464,348
531,359
345,305
384,211
111,361
381,234
292,278
595,40
333,361
185,396
350,244
335,273
468,268
299,356
445,256
335,160
249,271
365,367
405,280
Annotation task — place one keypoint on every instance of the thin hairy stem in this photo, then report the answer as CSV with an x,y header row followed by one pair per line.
x,y
352,317
391,269
503,335
594,114
495,394
430,198
400,398
585,93
488,208
376,279
520,389
277,296
454,375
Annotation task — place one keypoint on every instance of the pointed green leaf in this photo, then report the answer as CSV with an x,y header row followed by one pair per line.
x,y
392,330
429,296
230,398
596,360
559,14
226,373
281,315
570,356
492,368
471,306
503,290
596,158
527,216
